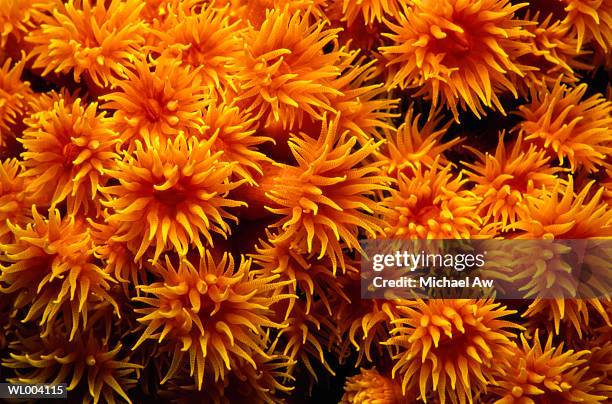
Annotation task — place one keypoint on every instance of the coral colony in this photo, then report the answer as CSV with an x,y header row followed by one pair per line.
x,y
184,186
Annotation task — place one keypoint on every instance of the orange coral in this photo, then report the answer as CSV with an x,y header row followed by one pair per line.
x,y
14,199
18,17
284,72
600,366
555,313
591,20
161,14
359,35
14,96
255,11
324,200
560,121
414,146
369,10
305,338
544,271
118,260
432,203
179,189
308,275
608,186
207,41
545,375
235,135
67,150
361,105
450,345
265,383
365,324
52,260
552,53
561,213
99,39
213,170
158,101
370,386
455,51
86,361
505,179
214,311
42,103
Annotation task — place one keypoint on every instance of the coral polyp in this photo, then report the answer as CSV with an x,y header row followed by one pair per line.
x,y
450,346
360,107
414,145
364,325
553,53
228,201
307,273
565,315
504,180
546,374
14,97
18,17
235,135
207,40
89,37
591,20
105,370
370,386
118,260
14,197
285,74
179,188
432,203
369,10
563,213
157,102
324,200
567,126
457,52
52,260
67,150
306,338
218,314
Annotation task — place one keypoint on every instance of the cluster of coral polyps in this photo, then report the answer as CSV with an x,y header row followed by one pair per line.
x,y
184,185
